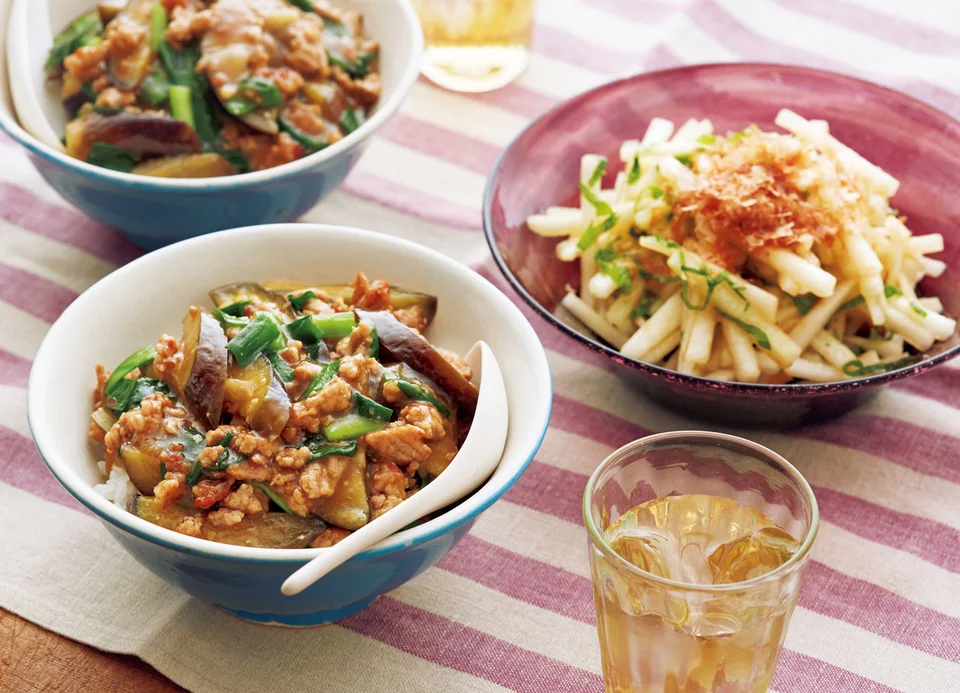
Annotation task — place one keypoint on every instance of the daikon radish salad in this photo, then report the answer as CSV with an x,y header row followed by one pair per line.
x,y
757,257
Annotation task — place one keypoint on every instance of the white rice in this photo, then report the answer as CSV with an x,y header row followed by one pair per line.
x,y
118,487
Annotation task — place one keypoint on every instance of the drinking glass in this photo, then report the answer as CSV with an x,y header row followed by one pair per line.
x,y
659,635
475,45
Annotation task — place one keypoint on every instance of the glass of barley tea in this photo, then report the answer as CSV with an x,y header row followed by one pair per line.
x,y
475,45
698,543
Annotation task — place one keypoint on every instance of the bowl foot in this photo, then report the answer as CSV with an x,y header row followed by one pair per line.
x,y
317,618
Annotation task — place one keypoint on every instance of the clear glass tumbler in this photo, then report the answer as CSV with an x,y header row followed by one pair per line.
x,y
475,45
660,635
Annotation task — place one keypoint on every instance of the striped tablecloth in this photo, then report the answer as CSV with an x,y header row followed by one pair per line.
x,y
510,607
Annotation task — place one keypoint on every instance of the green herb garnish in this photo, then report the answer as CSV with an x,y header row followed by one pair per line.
x,y
369,409
349,121
320,447
656,192
850,305
601,207
763,341
255,338
857,369
643,308
684,159
804,303
634,174
598,172
707,139
298,302
594,231
890,291
359,68
618,273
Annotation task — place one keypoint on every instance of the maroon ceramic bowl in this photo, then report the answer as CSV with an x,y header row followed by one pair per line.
x,y
916,143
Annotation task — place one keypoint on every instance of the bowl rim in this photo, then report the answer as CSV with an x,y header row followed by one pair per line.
x,y
54,457
757,390
385,110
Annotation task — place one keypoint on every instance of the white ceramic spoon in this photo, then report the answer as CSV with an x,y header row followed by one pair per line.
x,y
475,461
29,37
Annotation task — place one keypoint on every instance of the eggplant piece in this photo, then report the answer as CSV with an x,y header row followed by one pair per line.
x,y
129,70
349,506
225,295
186,166
400,298
72,93
147,135
258,395
141,466
203,373
403,344
270,530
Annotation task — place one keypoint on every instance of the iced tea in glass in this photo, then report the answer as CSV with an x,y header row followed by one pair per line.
x,y
698,544
475,45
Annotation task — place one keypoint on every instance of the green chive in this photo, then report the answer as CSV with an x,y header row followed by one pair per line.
x,y
918,310
374,342
684,159
155,89
239,106
113,157
266,90
369,409
322,379
707,139
310,143
237,309
359,68
418,393
305,5
643,308
322,448
349,121
137,359
71,38
669,244
605,254
656,192
254,339
158,26
181,106
283,369
298,302
313,328
763,341
272,495
351,427
227,321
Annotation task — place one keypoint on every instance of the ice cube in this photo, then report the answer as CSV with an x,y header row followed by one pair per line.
x,y
754,554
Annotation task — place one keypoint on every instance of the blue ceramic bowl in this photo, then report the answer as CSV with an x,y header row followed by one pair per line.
x,y
919,145
137,303
153,212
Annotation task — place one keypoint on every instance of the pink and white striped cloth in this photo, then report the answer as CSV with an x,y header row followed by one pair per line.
x,y
510,608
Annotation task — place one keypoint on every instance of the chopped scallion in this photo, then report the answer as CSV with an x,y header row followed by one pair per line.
x,y
281,367
298,302
320,448
418,393
369,409
236,309
804,303
137,359
254,339
158,26
618,273
313,328
594,230
322,379
351,427
601,207
856,368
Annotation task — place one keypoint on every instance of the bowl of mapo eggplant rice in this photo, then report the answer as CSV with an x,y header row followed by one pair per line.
x,y
187,102
228,420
